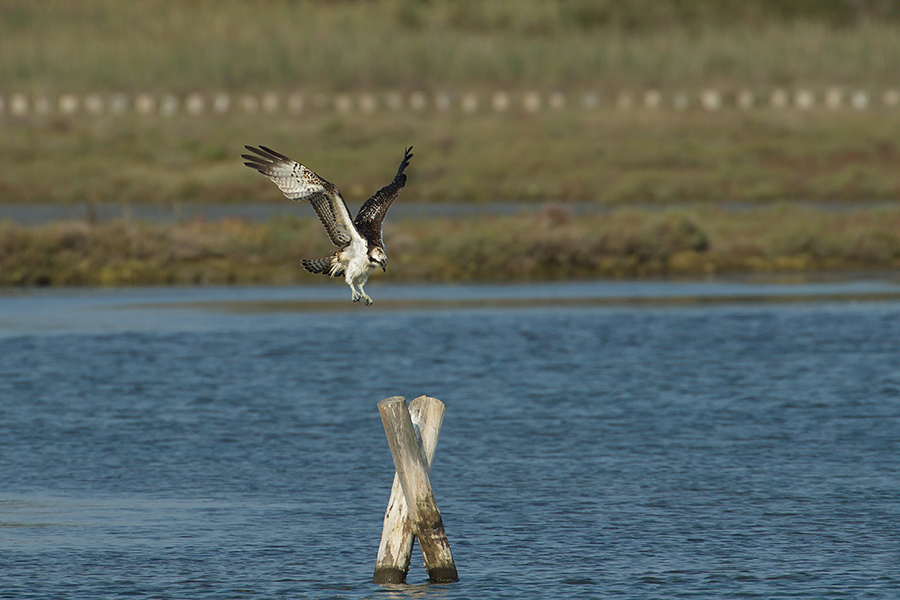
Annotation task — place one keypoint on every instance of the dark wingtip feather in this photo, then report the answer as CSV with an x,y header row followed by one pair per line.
x,y
405,162
256,151
276,154
266,153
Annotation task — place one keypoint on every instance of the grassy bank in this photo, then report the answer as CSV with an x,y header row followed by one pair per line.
x,y
551,244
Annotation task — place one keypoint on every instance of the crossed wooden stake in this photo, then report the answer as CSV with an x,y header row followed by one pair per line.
x,y
412,511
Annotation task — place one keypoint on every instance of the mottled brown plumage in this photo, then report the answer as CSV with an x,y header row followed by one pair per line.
x,y
359,242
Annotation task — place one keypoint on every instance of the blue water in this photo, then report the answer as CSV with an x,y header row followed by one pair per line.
x,y
216,443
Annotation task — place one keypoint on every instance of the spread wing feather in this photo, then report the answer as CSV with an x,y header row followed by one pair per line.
x,y
370,217
300,183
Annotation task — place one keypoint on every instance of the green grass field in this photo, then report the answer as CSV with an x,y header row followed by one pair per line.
x,y
418,44
603,156
692,160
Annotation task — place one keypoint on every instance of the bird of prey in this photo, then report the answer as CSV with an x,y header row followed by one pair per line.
x,y
360,247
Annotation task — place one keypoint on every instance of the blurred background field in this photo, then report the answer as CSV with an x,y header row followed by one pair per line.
x,y
376,44
644,148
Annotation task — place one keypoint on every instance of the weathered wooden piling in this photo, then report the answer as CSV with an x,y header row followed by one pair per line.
x,y
412,510
395,550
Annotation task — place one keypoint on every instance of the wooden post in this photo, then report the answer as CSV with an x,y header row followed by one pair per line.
x,y
412,509
395,550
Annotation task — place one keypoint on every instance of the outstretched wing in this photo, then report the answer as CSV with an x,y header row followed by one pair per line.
x,y
371,215
300,183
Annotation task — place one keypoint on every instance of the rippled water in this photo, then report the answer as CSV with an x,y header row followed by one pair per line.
x,y
226,443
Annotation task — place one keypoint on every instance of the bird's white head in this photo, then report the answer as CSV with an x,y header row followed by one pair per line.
x,y
378,258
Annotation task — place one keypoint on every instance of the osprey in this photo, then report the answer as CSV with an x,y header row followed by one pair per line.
x,y
360,248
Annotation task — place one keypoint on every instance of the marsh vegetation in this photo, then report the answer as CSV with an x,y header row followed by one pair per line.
x,y
549,244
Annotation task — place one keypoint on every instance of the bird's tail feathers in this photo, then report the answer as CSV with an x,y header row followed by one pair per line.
x,y
320,266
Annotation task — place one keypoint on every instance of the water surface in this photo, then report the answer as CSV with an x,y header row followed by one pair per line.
x,y
186,443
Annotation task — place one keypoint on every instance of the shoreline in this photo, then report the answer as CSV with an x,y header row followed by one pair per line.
x,y
550,243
